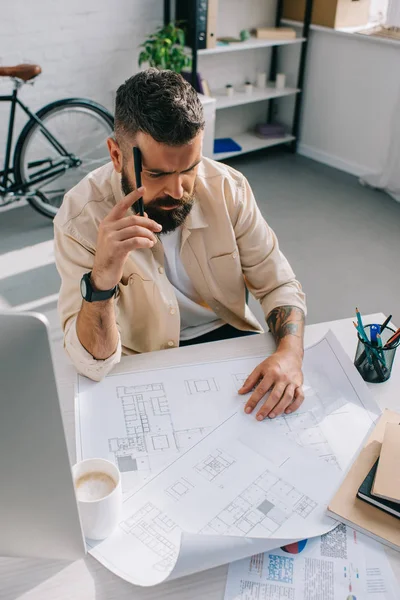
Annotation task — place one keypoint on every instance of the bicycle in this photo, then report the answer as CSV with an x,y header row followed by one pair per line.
x,y
56,148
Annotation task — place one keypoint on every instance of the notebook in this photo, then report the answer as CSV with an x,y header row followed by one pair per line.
x,y
364,493
387,479
347,508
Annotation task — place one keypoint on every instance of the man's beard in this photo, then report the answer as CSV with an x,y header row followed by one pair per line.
x,y
168,219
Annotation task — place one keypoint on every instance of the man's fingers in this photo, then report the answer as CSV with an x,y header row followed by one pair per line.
x,y
297,400
125,203
284,402
137,220
260,391
136,243
251,381
273,399
135,231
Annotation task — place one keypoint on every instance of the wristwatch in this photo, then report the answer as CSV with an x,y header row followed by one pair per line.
x,y
92,295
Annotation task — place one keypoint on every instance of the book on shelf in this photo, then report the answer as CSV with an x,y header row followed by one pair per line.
x,y
274,33
206,87
387,480
365,494
347,508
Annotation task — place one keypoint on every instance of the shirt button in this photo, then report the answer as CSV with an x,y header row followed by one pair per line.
x,y
171,343
234,255
172,311
160,270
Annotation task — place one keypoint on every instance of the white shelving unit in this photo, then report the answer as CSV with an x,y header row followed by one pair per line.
x,y
257,95
251,44
249,142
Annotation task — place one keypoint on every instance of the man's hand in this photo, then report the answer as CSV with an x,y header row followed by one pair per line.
x,y
118,235
281,375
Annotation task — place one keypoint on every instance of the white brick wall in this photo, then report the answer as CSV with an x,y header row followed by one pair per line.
x,y
89,47
85,47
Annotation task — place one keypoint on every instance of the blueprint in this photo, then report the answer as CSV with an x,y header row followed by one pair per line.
x,y
141,421
237,485
223,485
340,564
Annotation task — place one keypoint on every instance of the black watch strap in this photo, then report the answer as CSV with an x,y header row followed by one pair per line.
x,y
90,294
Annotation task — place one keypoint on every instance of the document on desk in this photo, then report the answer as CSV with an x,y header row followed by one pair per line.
x,y
216,471
340,564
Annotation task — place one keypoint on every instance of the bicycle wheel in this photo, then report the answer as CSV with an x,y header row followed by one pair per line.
x,y
82,127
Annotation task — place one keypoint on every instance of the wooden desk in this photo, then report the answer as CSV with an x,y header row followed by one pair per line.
x,y
86,579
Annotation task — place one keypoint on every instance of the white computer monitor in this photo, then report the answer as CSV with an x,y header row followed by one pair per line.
x,y
38,509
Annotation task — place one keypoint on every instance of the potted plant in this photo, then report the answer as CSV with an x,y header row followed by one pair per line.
x,y
165,49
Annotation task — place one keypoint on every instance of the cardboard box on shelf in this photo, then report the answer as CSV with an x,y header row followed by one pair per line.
x,y
330,13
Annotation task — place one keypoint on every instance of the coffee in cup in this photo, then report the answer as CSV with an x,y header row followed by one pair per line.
x,y
94,485
99,495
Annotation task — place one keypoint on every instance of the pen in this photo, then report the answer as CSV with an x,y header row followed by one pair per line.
x,y
381,352
386,323
137,160
374,330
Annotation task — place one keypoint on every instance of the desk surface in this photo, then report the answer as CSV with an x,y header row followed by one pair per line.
x,y
86,579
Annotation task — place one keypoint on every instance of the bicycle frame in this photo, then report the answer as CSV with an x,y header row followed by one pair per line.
x,y
7,185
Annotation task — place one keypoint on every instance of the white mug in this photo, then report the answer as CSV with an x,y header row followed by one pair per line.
x,y
99,517
261,80
280,81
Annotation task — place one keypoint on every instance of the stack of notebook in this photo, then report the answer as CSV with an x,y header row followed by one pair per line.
x,y
369,497
381,487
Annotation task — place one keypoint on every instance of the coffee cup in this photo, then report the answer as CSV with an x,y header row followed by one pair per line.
x,y
99,496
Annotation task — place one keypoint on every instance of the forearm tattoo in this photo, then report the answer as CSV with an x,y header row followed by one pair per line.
x,y
286,320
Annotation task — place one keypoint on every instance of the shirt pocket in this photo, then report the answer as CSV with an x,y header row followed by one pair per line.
x,y
228,277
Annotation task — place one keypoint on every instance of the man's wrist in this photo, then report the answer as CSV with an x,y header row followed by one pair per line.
x,y
98,284
291,344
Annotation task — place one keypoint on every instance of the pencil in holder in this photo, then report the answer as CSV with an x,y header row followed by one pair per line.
x,y
373,363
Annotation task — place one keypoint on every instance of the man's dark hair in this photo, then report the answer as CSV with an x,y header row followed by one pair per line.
x,y
161,104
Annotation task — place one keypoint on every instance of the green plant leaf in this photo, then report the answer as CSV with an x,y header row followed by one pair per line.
x,y
181,36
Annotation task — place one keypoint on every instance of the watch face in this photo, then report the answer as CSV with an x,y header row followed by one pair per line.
x,y
84,289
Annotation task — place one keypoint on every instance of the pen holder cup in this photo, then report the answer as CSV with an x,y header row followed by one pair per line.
x,y
374,364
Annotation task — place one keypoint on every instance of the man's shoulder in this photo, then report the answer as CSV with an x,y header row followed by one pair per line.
x,y
213,170
88,202
220,185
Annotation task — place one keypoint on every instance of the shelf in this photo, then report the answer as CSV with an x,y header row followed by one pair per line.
x,y
250,143
257,95
251,44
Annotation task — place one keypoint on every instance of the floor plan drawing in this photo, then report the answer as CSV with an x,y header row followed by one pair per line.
x,y
239,379
201,386
184,438
148,427
150,526
266,504
150,434
179,489
214,465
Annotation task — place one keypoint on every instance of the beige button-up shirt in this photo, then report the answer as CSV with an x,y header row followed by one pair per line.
x,y
226,245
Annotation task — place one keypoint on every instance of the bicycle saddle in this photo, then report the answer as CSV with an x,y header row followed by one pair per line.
x,y
24,71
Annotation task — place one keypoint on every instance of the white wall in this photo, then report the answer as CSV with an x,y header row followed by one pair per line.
x,y
351,88
85,47
89,47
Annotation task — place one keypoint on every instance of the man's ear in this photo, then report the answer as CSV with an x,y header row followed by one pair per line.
x,y
115,154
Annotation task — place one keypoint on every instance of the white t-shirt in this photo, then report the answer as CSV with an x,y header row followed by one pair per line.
x,y
196,319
